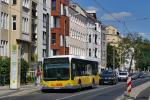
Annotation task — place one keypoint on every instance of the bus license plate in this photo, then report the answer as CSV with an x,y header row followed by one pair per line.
x,y
56,87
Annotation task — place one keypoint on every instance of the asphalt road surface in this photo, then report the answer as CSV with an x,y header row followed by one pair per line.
x,y
102,92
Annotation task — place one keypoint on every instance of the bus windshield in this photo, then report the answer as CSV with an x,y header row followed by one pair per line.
x,y
56,69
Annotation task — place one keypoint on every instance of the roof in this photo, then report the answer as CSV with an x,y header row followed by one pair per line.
x,y
74,56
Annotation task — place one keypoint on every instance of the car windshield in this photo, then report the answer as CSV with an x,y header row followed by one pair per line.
x,y
107,73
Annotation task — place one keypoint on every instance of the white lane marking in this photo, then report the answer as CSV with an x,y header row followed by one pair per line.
x,y
87,92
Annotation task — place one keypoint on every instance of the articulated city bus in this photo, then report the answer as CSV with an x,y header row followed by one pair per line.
x,y
69,72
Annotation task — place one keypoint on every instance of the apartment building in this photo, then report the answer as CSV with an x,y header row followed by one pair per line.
x,y
59,27
85,34
113,36
43,28
94,35
4,27
21,23
103,47
24,31
77,39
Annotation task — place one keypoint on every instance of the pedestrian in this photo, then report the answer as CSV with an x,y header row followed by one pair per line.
x,y
38,74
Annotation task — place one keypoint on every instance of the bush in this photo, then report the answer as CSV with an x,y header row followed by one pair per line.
x,y
24,70
30,79
4,70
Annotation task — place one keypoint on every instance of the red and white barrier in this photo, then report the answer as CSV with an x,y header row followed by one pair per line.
x,y
129,85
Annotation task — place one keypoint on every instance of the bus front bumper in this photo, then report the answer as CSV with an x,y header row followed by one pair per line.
x,y
59,88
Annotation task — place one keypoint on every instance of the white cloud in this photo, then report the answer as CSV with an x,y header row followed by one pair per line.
x,y
114,16
92,8
145,35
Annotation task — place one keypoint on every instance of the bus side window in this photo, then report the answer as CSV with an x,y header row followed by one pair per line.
x,y
89,69
95,68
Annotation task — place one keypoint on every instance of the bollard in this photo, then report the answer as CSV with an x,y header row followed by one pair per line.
x,y
129,83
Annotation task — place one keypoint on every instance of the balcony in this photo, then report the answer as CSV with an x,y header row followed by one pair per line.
x,y
34,21
34,13
25,36
34,36
26,7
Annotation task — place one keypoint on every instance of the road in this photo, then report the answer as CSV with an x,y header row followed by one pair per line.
x,y
102,92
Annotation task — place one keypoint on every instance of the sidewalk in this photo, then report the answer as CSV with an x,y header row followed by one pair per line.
x,y
135,92
144,95
25,89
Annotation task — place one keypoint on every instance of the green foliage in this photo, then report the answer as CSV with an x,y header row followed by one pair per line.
x,y
141,50
24,70
4,70
110,56
30,79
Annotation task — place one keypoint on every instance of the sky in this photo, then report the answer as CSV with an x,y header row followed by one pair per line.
x,y
126,15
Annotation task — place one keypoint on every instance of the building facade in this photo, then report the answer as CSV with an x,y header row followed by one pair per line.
x,y
103,47
128,57
59,27
113,36
85,35
23,25
77,39
24,31
4,27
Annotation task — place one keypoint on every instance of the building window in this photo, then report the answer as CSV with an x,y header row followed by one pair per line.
x,y
90,52
53,39
62,40
44,4
14,22
95,52
44,38
14,2
53,4
56,22
44,20
44,53
4,20
25,25
5,1
95,39
54,52
89,38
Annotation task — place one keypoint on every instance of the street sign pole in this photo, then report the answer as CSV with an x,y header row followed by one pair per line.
x,y
15,68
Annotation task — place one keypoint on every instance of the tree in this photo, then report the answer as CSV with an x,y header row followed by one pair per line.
x,y
141,48
110,51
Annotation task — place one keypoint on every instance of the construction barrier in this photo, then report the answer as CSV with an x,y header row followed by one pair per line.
x,y
129,86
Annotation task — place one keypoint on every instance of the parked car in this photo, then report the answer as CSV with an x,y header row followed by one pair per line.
x,y
142,75
108,77
123,75
134,76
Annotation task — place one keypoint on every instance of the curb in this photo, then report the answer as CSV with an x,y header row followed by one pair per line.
x,y
19,93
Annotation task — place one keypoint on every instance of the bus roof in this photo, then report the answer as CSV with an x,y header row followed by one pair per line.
x,y
74,56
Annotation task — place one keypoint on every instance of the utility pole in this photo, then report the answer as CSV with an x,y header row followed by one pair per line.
x,y
47,35
113,58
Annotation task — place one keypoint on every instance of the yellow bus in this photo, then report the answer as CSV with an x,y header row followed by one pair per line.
x,y
69,72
